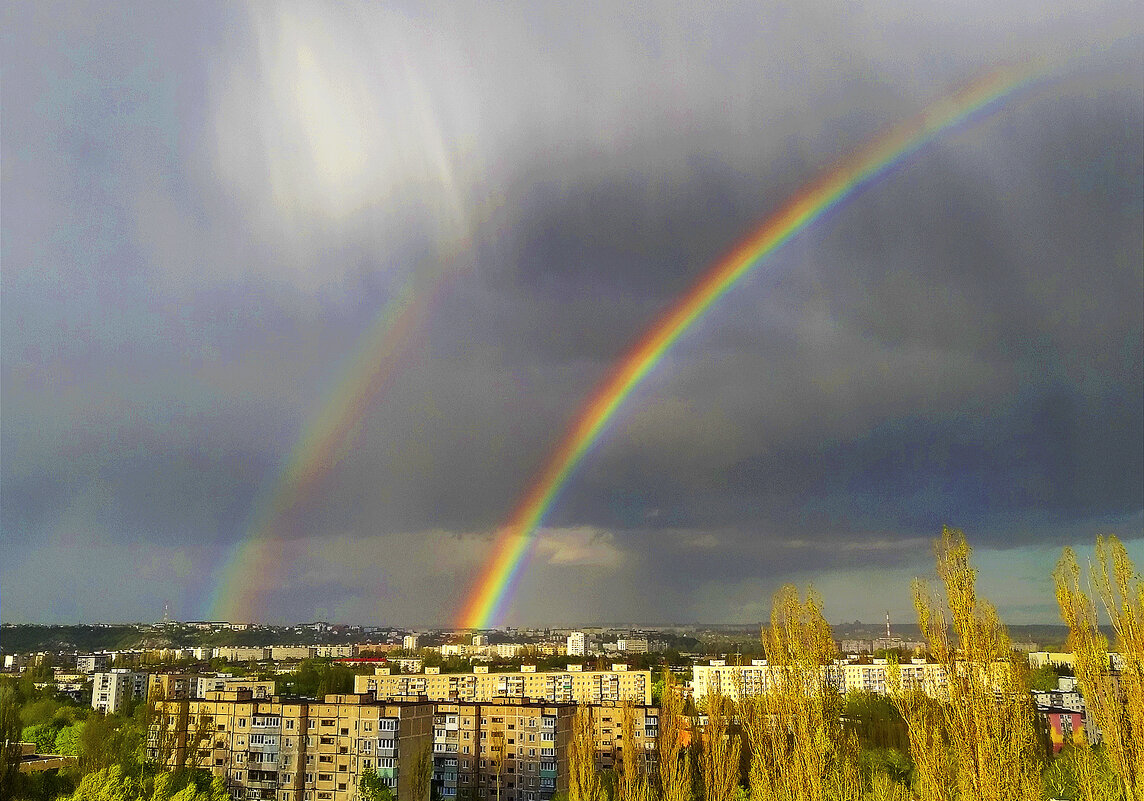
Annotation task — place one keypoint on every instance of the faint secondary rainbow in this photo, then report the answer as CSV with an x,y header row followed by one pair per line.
x,y
487,601
259,562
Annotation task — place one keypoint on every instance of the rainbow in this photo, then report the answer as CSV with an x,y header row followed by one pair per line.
x,y
486,602
259,562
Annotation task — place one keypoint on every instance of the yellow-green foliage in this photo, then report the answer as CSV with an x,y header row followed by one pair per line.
x,y
990,740
584,783
1116,703
794,729
633,779
673,762
719,757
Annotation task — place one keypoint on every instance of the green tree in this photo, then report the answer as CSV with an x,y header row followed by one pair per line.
x,y
372,788
43,735
1043,678
9,742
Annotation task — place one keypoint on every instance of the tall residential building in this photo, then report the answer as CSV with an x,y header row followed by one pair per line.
x,y
111,691
566,686
294,749
577,644
410,642
511,749
283,749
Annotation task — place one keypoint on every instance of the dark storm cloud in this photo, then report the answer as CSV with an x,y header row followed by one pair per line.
x,y
204,213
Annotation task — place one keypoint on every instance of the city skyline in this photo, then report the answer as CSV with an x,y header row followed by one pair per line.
x,y
297,302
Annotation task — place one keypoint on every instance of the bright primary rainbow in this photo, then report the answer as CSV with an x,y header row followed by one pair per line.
x,y
487,601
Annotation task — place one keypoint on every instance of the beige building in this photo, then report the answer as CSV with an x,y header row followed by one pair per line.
x,y
294,750
238,653
567,686
186,685
510,749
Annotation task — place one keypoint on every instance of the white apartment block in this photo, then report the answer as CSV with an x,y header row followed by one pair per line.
x,y
410,642
577,644
111,691
736,681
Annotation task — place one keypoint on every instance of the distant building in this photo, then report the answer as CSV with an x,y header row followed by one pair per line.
x,y
632,645
508,650
577,644
480,686
736,681
335,651
480,640
1066,726
111,691
410,642
241,653
92,663
281,653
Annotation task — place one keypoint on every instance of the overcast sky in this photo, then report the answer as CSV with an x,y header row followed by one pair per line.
x,y
207,206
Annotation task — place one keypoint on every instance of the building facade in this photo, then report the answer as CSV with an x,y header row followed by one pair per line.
x,y
281,749
568,686
509,749
111,691
577,644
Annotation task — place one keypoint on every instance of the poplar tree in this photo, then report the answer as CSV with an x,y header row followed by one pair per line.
x,y
1115,702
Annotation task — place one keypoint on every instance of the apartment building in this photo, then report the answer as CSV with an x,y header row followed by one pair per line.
x,y
864,675
577,644
608,727
283,749
511,749
92,663
188,685
574,685
111,691
238,653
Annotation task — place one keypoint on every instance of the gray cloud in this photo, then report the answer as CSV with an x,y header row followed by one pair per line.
x,y
205,211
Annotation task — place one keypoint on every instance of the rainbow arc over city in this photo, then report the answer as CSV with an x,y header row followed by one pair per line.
x,y
491,595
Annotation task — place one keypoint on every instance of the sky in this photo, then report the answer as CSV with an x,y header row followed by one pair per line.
x,y
212,213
